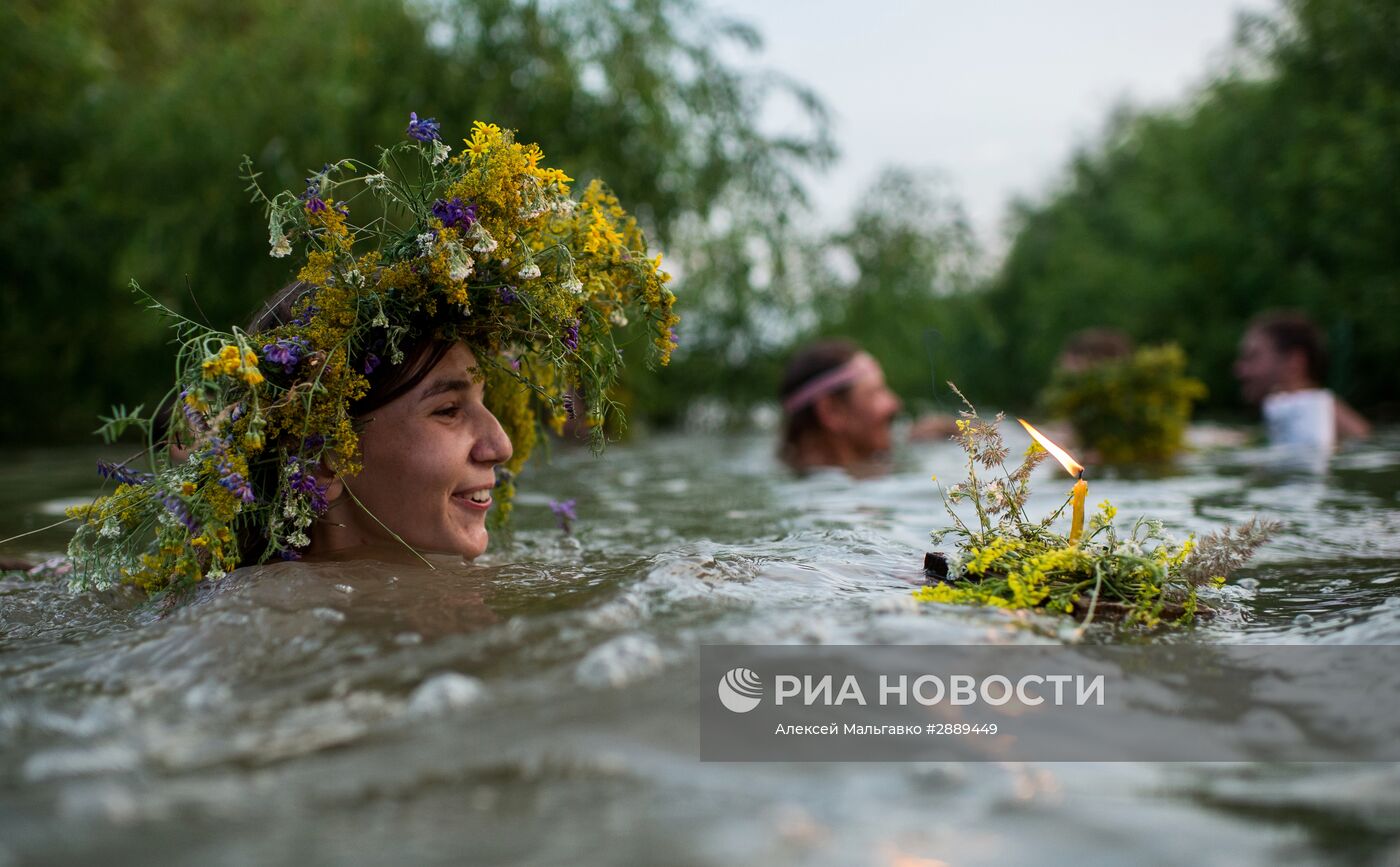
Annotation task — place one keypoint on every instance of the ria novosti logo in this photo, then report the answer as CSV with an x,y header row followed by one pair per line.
x,y
740,690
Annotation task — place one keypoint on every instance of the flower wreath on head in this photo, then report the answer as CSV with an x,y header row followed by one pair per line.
x,y
485,246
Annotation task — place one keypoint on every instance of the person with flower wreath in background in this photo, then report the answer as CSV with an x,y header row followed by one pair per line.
x,y
385,401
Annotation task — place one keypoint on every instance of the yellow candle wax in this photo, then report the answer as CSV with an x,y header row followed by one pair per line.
x,y
1076,526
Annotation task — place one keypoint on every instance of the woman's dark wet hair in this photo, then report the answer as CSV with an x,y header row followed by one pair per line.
x,y
387,382
1292,331
1096,345
421,353
809,362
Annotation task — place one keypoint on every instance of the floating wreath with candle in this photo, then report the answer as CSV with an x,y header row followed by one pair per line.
x,y
1008,559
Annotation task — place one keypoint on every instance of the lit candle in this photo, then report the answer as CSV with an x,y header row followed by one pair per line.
x,y
1074,468
1076,524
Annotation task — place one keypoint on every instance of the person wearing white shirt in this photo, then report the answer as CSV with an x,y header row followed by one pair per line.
x,y
1281,366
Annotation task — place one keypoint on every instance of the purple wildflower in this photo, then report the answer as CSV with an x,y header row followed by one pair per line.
x,y
571,336
289,554
238,486
508,294
453,213
177,507
304,318
301,478
312,197
287,352
564,511
569,406
228,477
371,362
192,416
424,130
122,474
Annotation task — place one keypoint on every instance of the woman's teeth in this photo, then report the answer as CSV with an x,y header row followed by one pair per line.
x,y
481,496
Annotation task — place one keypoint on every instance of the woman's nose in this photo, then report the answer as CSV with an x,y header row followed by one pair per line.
x,y
492,446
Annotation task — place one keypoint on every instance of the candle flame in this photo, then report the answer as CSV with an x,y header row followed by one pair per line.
x,y
1073,467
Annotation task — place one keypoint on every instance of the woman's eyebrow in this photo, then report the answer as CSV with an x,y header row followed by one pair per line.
x,y
443,385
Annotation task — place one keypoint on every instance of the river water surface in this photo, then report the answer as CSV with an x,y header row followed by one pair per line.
x,y
540,706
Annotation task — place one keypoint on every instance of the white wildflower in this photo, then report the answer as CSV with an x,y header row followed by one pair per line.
x,y
482,242
574,285
440,152
532,195
462,264
281,246
425,243
956,562
996,495
376,181
529,271
618,318
298,540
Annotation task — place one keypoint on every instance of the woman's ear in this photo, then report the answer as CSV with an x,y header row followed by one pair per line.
x,y
335,489
830,412
327,477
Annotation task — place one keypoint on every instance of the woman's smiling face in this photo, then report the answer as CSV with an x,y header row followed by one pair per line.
x,y
429,460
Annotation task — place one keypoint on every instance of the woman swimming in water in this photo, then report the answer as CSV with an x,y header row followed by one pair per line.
x,y
367,408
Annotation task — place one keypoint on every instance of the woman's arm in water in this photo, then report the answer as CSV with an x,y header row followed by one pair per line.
x,y
1350,423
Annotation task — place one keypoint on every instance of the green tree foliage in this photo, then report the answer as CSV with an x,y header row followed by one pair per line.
x,y
126,122
897,277
1276,187
910,254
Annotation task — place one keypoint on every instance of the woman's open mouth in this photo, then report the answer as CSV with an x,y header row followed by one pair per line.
x,y
479,499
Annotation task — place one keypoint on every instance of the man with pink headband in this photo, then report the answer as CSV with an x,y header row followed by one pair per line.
x,y
837,409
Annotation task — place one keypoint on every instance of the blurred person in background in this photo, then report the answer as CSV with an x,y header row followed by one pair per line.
x,y
1281,367
838,411
1083,351
1092,346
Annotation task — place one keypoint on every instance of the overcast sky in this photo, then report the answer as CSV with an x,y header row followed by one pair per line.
x,y
994,94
